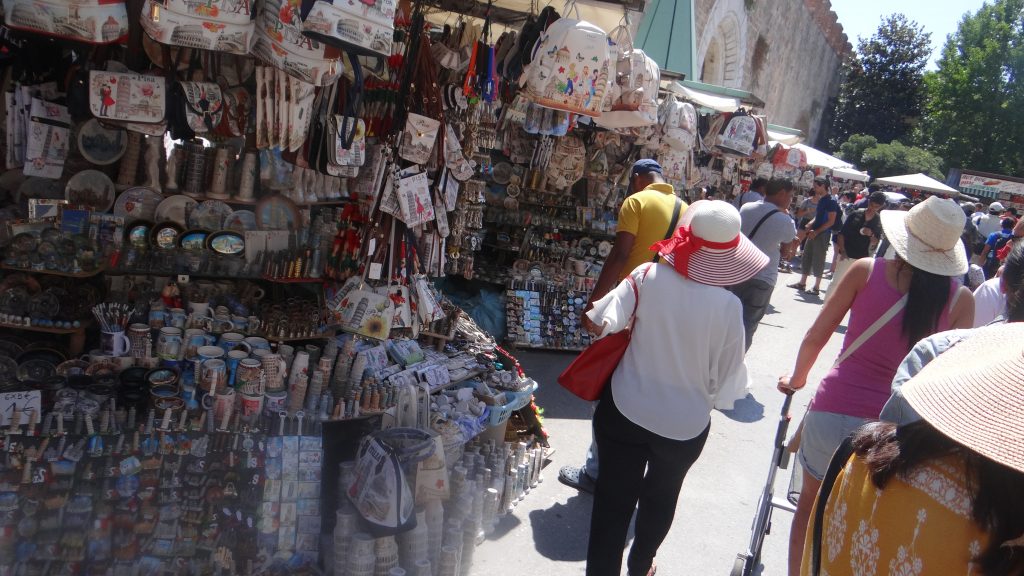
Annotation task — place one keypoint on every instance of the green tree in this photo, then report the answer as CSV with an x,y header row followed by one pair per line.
x,y
853,149
975,100
883,93
895,159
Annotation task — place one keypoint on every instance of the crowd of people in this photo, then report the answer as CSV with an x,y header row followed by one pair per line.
x,y
897,468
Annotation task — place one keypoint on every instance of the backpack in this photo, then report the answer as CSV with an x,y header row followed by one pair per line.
x,y
678,122
229,28
793,157
569,70
91,21
741,134
632,98
1000,252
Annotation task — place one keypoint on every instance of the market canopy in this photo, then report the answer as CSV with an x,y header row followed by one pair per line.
x,y
785,135
666,34
820,159
919,182
717,98
851,174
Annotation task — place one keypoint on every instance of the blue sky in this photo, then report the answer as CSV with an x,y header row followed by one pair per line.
x,y
940,17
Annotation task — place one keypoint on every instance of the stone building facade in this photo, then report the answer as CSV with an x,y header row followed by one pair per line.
x,y
789,53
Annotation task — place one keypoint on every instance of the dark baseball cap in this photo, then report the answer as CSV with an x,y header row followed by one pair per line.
x,y
646,166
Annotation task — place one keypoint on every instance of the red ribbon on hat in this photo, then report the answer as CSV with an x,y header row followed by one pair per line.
x,y
684,243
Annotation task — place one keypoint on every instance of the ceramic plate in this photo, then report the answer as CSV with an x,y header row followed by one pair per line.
x,y
277,213
36,369
101,145
502,173
91,188
137,203
102,367
209,215
175,209
165,235
226,242
72,367
193,239
604,249
137,234
241,221
12,349
8,370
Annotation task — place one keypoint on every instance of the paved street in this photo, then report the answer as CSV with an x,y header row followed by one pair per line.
x,y
547,534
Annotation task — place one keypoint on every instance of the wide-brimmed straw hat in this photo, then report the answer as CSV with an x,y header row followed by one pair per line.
x,y
928,236
708,247
974,393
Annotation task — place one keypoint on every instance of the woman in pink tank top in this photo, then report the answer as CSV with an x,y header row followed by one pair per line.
x,y
893,303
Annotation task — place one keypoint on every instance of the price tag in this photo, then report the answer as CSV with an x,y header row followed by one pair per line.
x,y
182,278
22,402
375,270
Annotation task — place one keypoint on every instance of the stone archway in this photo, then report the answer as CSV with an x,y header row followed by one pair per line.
x,y
723,45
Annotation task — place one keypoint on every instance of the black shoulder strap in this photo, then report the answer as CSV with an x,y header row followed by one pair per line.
x,y
761,221
671,226
839,459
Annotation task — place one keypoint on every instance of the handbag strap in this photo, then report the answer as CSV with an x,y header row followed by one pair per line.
x,y
671,226
636,293
838,462
875,327
352,101
761,221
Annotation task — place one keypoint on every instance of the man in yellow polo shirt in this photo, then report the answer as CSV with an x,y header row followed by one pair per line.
x,y
648,215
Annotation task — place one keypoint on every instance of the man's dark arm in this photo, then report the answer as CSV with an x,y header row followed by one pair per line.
x,y
613,266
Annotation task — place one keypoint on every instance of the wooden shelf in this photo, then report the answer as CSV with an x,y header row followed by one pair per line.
x,y
256,201
322,335
42,329
55,272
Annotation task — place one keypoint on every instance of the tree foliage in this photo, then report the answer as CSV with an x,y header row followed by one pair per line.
x,y
892,159
975,100
883,93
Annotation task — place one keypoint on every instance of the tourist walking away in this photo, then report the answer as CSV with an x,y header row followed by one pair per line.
x,y
990,222
1008,306
755,194
943,494
892,304
650,214
684,358
767,224
818,233
861,228
989,257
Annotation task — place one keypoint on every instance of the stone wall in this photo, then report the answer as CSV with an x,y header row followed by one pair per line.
x,y
789,53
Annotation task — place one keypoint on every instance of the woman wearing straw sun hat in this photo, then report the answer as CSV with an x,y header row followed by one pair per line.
x,y
943,495
685,357
893,303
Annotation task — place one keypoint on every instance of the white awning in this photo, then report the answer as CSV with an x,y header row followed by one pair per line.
x,y
919,182
712,101
851,174
787,139
820,159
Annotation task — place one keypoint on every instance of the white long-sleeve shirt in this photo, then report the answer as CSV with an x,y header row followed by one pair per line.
x,y
685,356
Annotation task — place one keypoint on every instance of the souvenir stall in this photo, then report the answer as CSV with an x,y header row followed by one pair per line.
x,y
221,347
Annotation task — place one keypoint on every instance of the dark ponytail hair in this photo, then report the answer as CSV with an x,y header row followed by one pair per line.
x,y
926,300
997,491
1013,282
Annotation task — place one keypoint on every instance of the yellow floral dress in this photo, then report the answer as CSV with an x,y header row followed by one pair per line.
x,y
919,525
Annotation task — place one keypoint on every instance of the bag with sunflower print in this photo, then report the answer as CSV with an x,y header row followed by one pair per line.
x,y
367,313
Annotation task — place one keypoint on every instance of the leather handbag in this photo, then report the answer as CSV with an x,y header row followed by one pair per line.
x,y
592,370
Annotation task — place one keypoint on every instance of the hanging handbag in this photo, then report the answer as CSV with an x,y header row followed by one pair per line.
x,y
198,25
133,101
366,28
592,370
89,21
196,108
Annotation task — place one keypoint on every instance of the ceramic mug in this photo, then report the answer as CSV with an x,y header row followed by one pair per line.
x,y
231,340
176,317
114,343
257,343
249,377
254,324
196,338
234,357
213,375
274,371
198,309
169,344
216,325
157,318
241,323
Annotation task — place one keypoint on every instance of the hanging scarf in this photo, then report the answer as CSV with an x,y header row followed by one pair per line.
x,y
678,249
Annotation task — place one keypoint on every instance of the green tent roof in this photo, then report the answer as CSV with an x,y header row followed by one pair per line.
x,y
667,35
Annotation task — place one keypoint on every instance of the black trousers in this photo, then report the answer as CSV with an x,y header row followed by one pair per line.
x,y
639,470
